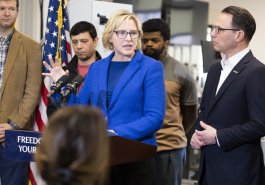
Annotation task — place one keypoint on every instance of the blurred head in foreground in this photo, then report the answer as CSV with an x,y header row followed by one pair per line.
x,y
74,148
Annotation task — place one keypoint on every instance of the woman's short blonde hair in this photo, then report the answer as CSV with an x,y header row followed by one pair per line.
x,y
115,20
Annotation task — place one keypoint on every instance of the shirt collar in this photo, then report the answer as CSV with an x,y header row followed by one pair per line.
x,y
233,61
8,38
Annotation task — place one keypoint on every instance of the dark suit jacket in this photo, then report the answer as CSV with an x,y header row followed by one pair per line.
x,y
21,81
238,114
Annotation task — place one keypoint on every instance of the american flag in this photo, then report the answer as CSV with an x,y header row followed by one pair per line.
x,y
56,44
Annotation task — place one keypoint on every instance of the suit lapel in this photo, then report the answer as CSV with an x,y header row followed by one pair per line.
x,y
127,75
11,57
232,76
214,81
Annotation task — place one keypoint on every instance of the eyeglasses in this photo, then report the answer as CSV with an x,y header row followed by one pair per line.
x,y
218,29
122,34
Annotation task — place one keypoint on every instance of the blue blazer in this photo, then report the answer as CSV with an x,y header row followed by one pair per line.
x,y
137,108
237,111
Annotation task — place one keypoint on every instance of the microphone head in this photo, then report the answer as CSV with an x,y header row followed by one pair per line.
x,y
72,87
60,83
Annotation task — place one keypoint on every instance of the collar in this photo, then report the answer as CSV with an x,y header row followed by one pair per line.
x,y
8,38
98,56
233,61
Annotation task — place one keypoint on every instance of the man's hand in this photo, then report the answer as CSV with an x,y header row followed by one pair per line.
x,y
56,70
208,135
195,142
205,137
3,127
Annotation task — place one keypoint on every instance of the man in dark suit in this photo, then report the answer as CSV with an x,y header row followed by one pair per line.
x,y
232,112
20,83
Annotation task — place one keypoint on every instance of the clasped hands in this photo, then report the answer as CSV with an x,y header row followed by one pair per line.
x,y
204,137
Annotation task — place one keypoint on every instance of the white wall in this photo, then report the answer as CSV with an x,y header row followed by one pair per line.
x,y
256,8
29,18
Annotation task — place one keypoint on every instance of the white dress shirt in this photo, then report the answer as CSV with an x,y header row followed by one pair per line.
x,y
228,65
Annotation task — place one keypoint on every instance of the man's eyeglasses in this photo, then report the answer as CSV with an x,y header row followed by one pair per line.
x,y
218,29
122,34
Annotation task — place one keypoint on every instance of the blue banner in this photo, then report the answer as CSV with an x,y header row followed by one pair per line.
x,y
21,145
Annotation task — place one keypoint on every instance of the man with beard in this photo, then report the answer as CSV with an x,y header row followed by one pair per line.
x,y
181,104
84,42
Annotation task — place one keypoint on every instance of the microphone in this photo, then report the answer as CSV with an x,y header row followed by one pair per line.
x,y
58,85
72,86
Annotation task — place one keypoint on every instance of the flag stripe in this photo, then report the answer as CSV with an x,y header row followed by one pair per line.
x,y
40,124
44,93
32,179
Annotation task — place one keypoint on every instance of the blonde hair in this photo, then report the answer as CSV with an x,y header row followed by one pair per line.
x,y
74,149
115,20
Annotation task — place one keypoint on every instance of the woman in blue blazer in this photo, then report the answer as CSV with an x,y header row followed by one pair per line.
x,y
135,108
135,104
129,88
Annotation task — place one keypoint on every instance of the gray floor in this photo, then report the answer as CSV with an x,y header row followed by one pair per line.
x,y
189,182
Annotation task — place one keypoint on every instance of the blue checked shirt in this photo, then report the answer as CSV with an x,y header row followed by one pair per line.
x,y
4,45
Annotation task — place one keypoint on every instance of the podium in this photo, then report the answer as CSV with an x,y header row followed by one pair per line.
x,y
124,151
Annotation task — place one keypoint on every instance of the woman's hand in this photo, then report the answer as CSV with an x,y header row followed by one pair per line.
x,y
55,68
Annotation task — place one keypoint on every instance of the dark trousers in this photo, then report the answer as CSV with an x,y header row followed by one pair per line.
x,y
169,167
12,172
202,180
136,173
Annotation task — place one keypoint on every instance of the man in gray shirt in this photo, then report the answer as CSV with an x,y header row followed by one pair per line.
x,y
181,104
